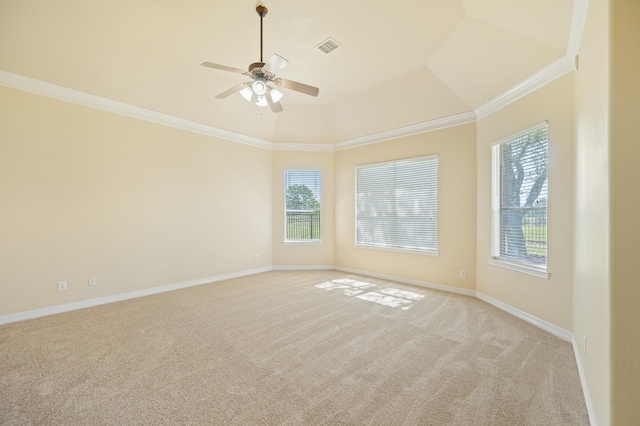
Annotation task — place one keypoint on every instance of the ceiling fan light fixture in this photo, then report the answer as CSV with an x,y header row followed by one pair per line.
x,y
263,73
262,100
247,93
276,95
259,87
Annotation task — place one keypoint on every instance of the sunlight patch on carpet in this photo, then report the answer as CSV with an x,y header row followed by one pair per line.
x,y
388,296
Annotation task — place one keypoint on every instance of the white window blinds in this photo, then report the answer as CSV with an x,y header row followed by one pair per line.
x,y
397,204
302,205
519,198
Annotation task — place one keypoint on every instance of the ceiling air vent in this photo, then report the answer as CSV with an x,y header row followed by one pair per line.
x,y
328,45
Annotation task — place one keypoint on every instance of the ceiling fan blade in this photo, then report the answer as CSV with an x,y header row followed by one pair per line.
x,y
275,106
231,91
275,64
222,67
298,87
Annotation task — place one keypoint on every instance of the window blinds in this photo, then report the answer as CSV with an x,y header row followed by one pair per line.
x,y
397,204
519,198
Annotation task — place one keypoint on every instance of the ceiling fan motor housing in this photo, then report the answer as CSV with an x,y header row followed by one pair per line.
x,y
255,65
256,70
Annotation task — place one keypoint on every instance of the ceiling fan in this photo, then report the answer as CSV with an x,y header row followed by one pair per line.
x,y
259,90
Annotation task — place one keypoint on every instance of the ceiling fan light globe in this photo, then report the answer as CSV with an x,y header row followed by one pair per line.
x,y
276,95
262,100
259,87
247,93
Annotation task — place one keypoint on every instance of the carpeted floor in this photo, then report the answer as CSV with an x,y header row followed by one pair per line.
x,y
289,348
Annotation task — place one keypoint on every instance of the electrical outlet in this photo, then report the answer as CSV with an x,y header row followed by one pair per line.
x,y
93,281
62,285
257,257
341,256
463,273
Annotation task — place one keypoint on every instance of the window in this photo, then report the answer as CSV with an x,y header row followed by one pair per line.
x,y
397,204
519,200
302,205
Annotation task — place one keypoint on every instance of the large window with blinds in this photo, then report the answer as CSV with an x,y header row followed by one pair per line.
x,y
519,199
397,204
303,198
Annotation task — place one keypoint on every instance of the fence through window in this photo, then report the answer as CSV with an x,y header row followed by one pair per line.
x,y
302,205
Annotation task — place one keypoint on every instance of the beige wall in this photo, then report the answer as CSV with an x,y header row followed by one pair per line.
x,y
139,205
313,254
86,193
591,296
456,208
549,300
624,151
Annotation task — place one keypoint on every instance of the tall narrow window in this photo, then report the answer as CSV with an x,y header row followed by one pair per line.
x,y
519,199
397,204
302,205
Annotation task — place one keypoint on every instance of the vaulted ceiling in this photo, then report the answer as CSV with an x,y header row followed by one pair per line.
x,y
400,63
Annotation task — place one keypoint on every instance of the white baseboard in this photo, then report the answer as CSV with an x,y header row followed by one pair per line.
x,y
531,319
540,323
432,286
58,309
583,381
20,316
304,268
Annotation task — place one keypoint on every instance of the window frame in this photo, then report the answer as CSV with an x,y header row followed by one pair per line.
x,y
496,206
288,241
424,251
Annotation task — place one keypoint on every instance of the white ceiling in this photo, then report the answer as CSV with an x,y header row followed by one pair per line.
x,y
401,63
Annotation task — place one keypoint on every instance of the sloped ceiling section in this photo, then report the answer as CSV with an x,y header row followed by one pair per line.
x,y
400,64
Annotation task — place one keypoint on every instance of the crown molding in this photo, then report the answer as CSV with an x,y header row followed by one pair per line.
x,y
556,69
62,93
578,20
546,75
427,126
308,147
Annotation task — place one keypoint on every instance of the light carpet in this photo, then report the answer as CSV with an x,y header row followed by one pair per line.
x,y
288,348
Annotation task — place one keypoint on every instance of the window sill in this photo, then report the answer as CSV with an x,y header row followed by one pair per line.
x,y
531,270
302,243
399,250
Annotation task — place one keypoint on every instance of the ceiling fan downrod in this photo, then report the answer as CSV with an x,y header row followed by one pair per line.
x,y
262,12
258,90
